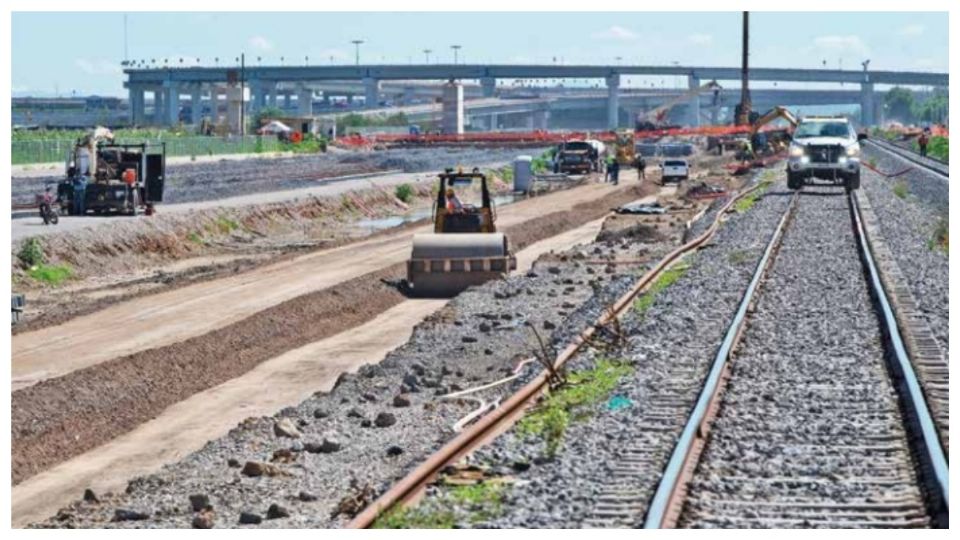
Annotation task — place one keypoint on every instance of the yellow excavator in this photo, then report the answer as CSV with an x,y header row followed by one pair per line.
x,y
772,140
465,248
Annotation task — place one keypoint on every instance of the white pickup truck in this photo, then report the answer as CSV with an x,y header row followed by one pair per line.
x,y
676,170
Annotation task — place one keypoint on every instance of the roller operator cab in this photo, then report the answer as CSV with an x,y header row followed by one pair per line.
x,y
465,248
826,148
120,178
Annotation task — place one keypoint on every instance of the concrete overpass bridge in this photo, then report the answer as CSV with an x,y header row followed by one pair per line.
x,y
169,84
544,111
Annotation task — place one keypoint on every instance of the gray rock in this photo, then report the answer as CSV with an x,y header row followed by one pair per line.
x,y
385,419
249,518
286,428
276,512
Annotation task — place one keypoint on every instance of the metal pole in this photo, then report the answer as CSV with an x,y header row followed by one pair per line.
x,y
243,98
745,104
356,44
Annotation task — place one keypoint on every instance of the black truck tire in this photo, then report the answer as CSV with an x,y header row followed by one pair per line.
x,y
853,182
794,181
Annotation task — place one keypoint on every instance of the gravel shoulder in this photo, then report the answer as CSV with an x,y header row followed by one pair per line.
x,y
909,224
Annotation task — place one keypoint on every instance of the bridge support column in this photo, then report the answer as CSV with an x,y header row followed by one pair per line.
x,y
137,107
196,105
693,108
158,105
305,101
488,86
371,92
254,105
272,91
540,119
409,94
613,101
866,104
452,122
494,122
171,102
286,101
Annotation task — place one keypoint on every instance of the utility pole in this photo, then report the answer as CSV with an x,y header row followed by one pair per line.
x,y
743,114
455,49
356,44
426,55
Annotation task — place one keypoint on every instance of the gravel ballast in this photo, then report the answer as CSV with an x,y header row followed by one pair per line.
x,y
669,348
908,226
809,432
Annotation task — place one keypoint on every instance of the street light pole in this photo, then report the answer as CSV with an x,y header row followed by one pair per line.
x,y
426,55
455,49
356,44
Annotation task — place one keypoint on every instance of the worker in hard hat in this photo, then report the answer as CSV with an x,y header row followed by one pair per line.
x,y
453,203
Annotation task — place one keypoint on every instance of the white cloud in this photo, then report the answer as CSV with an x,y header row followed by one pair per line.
x,y
261,43
98,66
912,30
617,33
849,44
700,39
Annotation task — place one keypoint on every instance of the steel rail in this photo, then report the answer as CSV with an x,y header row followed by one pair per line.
x,y
665,506
695,430
930,164
913,398
409,488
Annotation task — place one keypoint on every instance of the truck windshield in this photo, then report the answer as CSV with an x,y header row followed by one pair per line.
x,y
675,163
821,129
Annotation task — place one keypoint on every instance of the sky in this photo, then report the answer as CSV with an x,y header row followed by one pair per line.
x,y
63,53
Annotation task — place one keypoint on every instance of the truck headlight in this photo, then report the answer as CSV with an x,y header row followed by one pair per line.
x,y
853,150
796,150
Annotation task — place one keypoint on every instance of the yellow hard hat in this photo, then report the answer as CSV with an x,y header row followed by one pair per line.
x,y
449,192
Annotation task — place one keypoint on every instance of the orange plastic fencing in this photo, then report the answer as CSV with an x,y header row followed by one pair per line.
x,y
538,136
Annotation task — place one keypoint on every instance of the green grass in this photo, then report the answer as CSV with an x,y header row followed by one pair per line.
x,y
483,500
747,202
900,189
226,225
196,238
666,279
938,148
51,274
571,402
739,256
404,192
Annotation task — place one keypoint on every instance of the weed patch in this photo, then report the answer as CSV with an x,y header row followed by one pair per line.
x,y
482,501
404,192
51,274
666,279
941,236
900,189
747,202
571,402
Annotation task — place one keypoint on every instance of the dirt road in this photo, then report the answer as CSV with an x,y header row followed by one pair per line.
x,y
173,316
291,377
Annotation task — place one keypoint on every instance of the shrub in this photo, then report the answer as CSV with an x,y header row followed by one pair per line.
x,y
31,253
52,274
404,192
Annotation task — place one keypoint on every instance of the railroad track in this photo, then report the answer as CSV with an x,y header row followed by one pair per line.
x,y
927,163
811,415
484,430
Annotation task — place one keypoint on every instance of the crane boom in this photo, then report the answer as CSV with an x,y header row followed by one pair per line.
x,y
658,115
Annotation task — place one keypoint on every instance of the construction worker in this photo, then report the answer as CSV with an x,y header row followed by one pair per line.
x,y
80,194
614,170
922,142
641,167
611,159
453,203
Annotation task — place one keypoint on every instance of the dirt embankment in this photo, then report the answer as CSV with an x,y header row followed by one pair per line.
x,y
59,418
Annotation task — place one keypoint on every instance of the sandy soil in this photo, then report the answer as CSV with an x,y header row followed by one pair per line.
x,y
227,333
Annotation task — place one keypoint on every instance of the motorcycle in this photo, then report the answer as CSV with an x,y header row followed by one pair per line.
x,y
47,213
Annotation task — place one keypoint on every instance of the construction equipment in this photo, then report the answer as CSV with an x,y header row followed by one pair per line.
x,y
464,249
114,177
579,157
626,147
657,118
774,140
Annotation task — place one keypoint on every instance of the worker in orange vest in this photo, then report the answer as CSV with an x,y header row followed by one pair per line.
x,y
453,203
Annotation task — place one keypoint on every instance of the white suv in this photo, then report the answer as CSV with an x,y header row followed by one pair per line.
x,y
826,148
676,170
